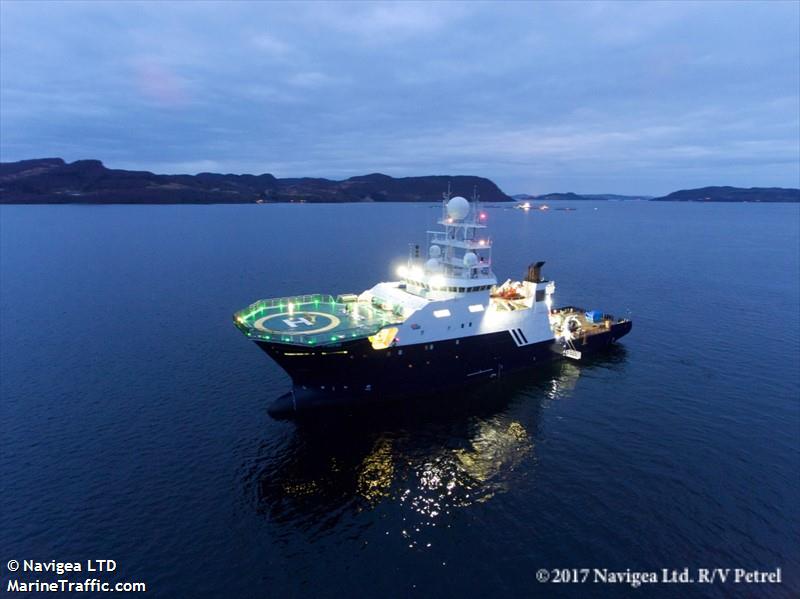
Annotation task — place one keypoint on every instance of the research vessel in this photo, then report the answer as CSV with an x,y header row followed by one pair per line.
x,y
445,322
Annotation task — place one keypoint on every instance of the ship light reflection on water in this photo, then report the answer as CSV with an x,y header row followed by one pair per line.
x,y
458,478
316,483
417,470
429,491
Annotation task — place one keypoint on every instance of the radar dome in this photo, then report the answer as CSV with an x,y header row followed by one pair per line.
x,y
470,259
435,251
433,265
457,208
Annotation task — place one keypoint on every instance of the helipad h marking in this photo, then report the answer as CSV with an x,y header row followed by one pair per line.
x,y
294,321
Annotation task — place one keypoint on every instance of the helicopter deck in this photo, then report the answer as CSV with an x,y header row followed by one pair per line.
x,y
312,319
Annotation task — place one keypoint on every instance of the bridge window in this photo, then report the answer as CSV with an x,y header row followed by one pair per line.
x,y
441,313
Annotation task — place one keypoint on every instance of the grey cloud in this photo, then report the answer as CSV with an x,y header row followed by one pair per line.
x,y
610,97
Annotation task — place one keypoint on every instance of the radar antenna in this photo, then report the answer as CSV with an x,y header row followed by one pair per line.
x,y
476,202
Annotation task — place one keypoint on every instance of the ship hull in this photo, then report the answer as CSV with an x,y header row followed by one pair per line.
x,y
352,372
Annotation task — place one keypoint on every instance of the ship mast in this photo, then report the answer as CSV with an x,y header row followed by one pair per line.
x,y
459,258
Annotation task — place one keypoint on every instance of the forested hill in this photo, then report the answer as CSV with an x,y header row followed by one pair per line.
x,y
53,181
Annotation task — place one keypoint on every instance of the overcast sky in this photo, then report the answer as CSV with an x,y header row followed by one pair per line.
x,y
640,98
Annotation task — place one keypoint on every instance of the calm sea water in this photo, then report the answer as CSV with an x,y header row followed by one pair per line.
x,y
134,422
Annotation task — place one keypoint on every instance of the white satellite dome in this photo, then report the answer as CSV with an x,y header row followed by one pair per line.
x,y
433,265
435,251
457,208
470,259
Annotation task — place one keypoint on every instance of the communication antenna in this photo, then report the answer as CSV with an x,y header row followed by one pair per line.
x,y
446,195
476,204
446,198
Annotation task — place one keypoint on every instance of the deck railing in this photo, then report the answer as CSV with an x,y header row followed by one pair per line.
x,y
318,339
256,309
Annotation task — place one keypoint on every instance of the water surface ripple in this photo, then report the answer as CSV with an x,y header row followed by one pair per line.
x,y
134,421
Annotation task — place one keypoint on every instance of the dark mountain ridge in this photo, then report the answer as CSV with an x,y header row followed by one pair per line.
x,y
54,181
703,194
546,197
733,194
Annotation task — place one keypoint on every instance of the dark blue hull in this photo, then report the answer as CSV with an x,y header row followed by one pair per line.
x,y
353,372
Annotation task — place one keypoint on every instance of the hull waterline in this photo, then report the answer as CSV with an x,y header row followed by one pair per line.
x,y
360,376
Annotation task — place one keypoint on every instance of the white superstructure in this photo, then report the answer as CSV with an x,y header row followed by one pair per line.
x,y
453,293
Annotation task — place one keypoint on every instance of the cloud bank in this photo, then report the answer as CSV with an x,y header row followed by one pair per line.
x,y
589,97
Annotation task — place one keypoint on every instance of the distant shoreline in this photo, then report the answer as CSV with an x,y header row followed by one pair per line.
x,y
703,195
53,181
431,203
